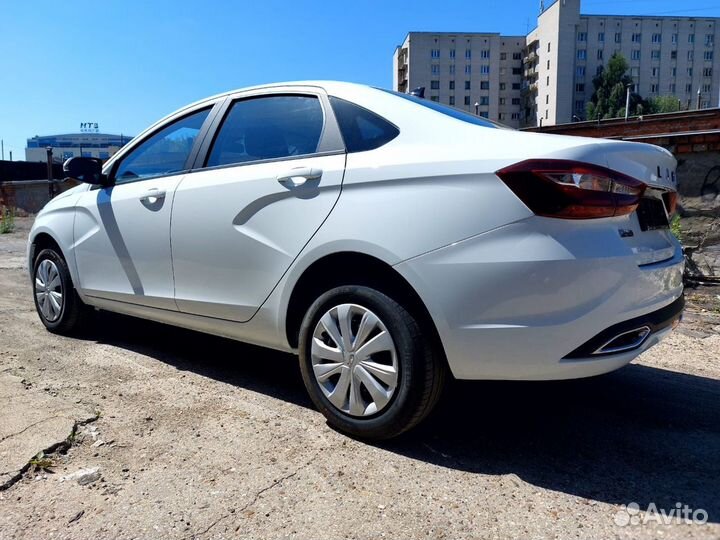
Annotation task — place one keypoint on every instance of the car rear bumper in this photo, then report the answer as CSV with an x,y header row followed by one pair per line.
x,y
522,301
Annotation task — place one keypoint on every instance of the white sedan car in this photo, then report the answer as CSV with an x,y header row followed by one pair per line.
x,y
385,239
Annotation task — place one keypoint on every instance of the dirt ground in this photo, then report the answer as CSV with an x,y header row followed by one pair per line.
x,y
194,436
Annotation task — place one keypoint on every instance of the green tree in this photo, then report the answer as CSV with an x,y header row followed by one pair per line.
x,y
608,99
663,104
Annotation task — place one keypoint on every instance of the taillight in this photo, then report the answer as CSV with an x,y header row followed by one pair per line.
x,y
572,190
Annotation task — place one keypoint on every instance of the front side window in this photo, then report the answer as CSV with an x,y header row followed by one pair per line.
x,y
268,127
163,153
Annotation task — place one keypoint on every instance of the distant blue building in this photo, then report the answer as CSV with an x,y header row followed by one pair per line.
x,y
97,145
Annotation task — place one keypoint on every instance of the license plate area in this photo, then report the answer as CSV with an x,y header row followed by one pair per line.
x,y
652,215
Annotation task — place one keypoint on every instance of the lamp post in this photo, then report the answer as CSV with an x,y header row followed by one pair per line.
x,y
699,98
477,109
51,190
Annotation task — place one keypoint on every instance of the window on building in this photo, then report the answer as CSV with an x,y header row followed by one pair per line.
x,y
707,87
467,69
517,56
452,69
547,114
709,39
517,71
548,80
635,72
435,69
582,36
580,87
580,105
653,88
707,72
655,72
636,38
484,100
515,116
618,37
501,116
704,104
484,114
688,88
467,85
581,54
484,85
516,101
166,151
434,53
502,86
467,100
502,101
468,54
435,98
452,53
484,69
547,99
599,69
635,55
691,38
435,85
451,85
601,37
452,100
674,72
655,54
600,54
708,55
690,72
485,53
673,55
672,88
657,38
503,56
674,38
580,71
516,86
548,47
503,71
548,64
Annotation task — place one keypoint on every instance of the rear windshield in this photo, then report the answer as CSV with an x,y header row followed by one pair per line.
x,y
449,111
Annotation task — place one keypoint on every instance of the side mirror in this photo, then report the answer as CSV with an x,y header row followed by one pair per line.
x,y
84,169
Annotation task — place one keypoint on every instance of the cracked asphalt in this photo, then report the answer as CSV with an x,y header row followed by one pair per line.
x,y
201,437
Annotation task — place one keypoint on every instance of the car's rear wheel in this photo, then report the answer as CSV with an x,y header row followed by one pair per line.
x,y
366,363
58,305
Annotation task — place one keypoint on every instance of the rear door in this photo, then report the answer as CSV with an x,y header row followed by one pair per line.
x,y
267,180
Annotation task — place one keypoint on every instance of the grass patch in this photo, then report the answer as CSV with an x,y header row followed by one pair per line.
x,y
7,220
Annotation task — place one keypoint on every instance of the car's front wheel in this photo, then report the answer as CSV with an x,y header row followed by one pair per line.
x,y
366,363
58,305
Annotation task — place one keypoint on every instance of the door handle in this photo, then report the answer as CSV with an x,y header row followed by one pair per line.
x,y
298,176
153,193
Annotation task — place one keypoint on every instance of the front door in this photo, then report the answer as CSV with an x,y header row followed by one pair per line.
x,y
270,179
122,232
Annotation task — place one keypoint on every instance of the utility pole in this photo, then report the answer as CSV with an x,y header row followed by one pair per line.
x,y
627,103
699,98
51,191
10,155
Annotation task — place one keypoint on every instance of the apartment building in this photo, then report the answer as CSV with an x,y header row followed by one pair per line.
x,y
478,72
545,78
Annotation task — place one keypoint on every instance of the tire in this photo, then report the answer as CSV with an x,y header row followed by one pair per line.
x,y
419,369
51,269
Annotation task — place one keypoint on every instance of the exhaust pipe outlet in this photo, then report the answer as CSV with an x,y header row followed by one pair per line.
x,y
631,339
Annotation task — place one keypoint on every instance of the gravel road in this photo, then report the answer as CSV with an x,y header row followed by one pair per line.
x,y
201,437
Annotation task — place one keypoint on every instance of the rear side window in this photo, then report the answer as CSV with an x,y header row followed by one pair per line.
x,y
269,127
361,129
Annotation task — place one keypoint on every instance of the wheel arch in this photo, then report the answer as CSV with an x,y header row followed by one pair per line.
x,y
43,240
354,268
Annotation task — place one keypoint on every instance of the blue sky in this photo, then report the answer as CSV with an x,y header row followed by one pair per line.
x,y
126,64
